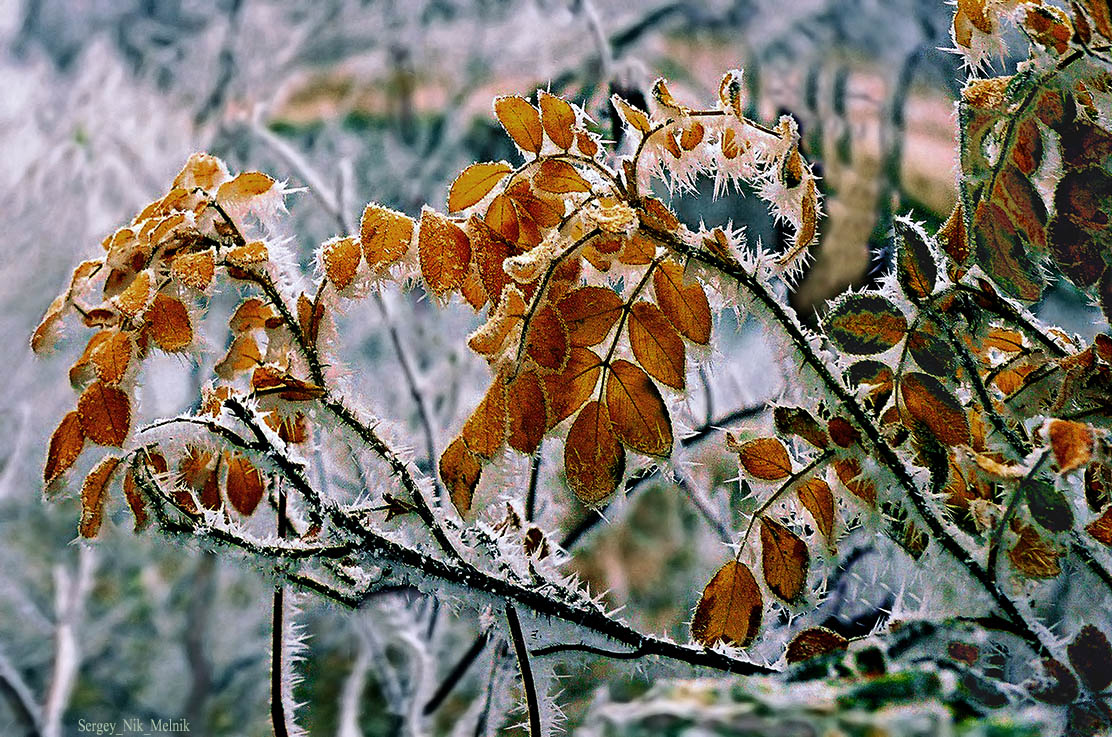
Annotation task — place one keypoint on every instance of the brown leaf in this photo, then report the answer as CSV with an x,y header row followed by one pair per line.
x,y
109,355
42,338
133,300
730,608
926,401
547,340
763,458
252,314
657,345
525,405
502,217
1091,656
798,421
559,177
267,380
65,447
475,182
1057,686
558,119
341,258
485,430
460,470
243,187
385,236
864,324
135,500
813,642
244,484
849,473
842,432
1072,443
1101,527
105,414
248,256
521,121
168,324
692,135
243,355
915,267
1034,557
784,559
445,252
637,411
632,115
594,460
684,304
589,313
574,385
94,493
816,497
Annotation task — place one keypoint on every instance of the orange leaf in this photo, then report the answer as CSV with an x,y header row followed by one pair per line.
x,y
1072,443
194,269
763,458
168,324
784,558
817,498
558,119
65,446
244,484
1101,527
489,249
586,144
94,493
849,473
521,121
684,304
547,341
243,355
445,252
1034,557
341,260
692,135
485,430
460,470
657,345
560,177
925,400
44,334
135,500
525,405
570,388
502,217
245,186
798,421
864,324
730,608
267,380
474,183
133,300
105,414
593,459
813,642
637,411
108,354
632,115
589,313
385,235
251,314
248,255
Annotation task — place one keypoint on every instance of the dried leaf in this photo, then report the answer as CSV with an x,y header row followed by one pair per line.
x,y
168,324
589,313
502,217
474,183
915,267
244,484
849,473
521,121
105,414
558,119
489,250
1057,686
632,115
730,609
763,458
798,421
135,501
684,304
243,355
637,411
1072,443
194,269
1034,557
243,187
574,385
445,252
460,470
594,460
109,353
485,430
1048,506
525,405
252,314
44,334
94,493
814,642
864,324
65,447
1091,656
385,236
818,499
784,559
930,349
248,255
341,258
559,177
1101,528
656,345
133,300
547,340
926,401
692,135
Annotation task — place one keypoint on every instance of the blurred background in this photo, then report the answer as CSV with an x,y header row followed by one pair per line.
x,y
102,102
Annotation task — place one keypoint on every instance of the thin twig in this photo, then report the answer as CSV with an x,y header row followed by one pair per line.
x,y
526,671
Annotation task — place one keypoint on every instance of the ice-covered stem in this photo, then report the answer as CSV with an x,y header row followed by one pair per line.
x,y
19,696
71,591
527,683
882,452
278,676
